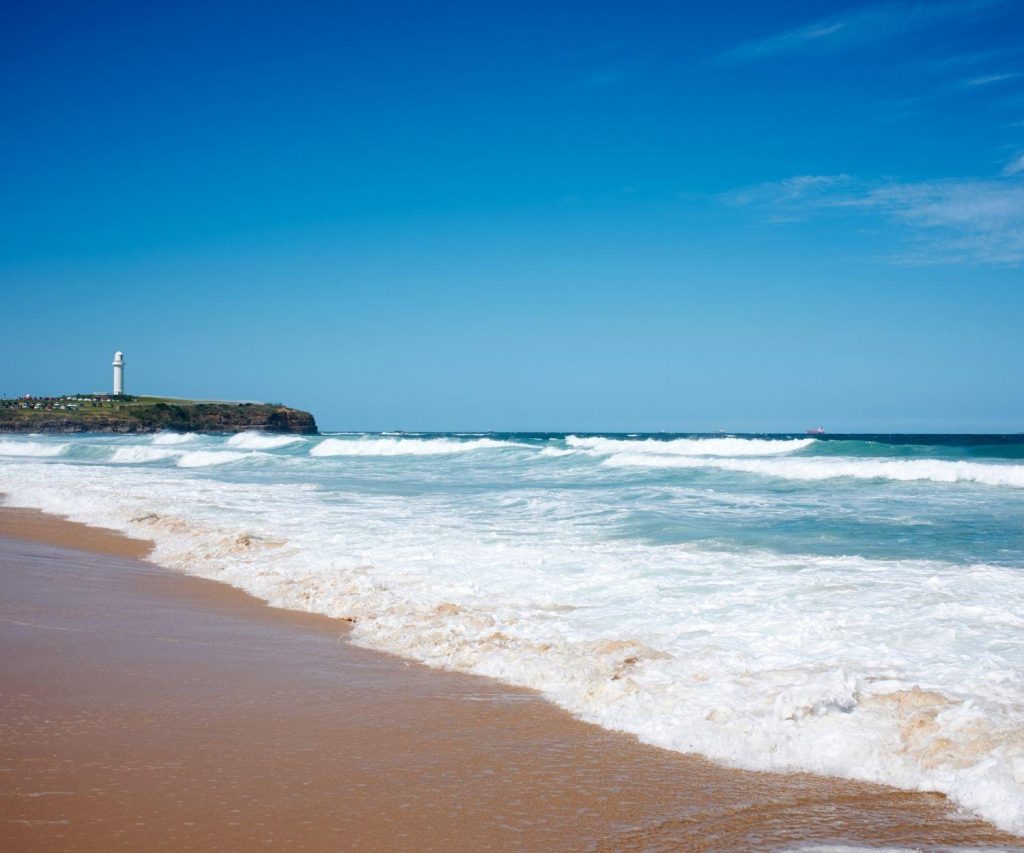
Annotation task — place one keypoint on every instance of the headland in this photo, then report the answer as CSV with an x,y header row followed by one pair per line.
x,y
123,413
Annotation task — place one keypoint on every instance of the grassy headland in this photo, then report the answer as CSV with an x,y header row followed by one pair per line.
x,y
127,414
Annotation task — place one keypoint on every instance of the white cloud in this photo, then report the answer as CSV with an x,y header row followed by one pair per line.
x,y
1014,167
989,79
867,24
958,61
798,190
956,220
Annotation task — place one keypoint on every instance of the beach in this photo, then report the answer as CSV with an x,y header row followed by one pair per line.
x,y
482,426
145,709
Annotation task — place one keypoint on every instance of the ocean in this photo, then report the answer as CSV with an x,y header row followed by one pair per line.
x,y
847,605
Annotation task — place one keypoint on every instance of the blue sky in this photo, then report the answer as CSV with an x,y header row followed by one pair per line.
x,y
566,216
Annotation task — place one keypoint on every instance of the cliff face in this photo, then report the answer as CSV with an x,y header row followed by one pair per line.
x,y
153,416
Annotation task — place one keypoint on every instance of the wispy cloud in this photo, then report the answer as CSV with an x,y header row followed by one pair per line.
x,y
978,86
1014,167
989,79
960,61
860,26
956,220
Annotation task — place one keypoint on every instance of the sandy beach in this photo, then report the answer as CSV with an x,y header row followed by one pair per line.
x,y
143,709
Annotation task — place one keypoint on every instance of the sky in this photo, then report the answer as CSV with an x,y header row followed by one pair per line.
x,y
522,216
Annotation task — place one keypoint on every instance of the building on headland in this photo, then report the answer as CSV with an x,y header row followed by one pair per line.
x,y
118,373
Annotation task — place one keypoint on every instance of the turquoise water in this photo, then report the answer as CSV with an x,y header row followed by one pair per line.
x,y
850,605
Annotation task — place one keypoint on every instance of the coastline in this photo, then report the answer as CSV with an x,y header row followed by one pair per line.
x,y
143,707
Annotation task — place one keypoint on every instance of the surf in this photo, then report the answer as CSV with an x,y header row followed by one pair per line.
x,y
762,607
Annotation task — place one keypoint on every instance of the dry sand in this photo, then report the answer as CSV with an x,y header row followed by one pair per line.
x,y
143,709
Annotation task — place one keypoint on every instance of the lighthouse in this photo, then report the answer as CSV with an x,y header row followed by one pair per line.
x,y
118,373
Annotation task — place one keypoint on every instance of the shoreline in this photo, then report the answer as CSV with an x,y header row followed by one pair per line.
x,y
187,703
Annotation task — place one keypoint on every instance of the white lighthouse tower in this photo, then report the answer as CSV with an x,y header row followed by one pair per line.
x,y
118,373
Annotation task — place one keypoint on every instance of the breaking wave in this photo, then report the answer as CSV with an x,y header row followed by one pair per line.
x,y
174,437
253,440
138,453
31,448
556,451
207,458
404,446
935,470
692,446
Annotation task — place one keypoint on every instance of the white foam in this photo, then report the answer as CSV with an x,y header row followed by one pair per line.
x,y
207,458
906,672
556,451
692,446
254,440
404,446
30,448
138,453
821,468
174,437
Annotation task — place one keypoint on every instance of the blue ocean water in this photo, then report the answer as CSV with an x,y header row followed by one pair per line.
x,y
850,605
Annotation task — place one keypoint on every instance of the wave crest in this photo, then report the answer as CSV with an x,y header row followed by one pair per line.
x,y
174,437
137,454
692,446
935,470
256,440
404,446
206,458
31,448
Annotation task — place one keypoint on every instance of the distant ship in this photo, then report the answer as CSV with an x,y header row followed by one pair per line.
x,y
816,431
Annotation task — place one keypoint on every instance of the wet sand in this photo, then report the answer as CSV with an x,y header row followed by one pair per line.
x,y
142,709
